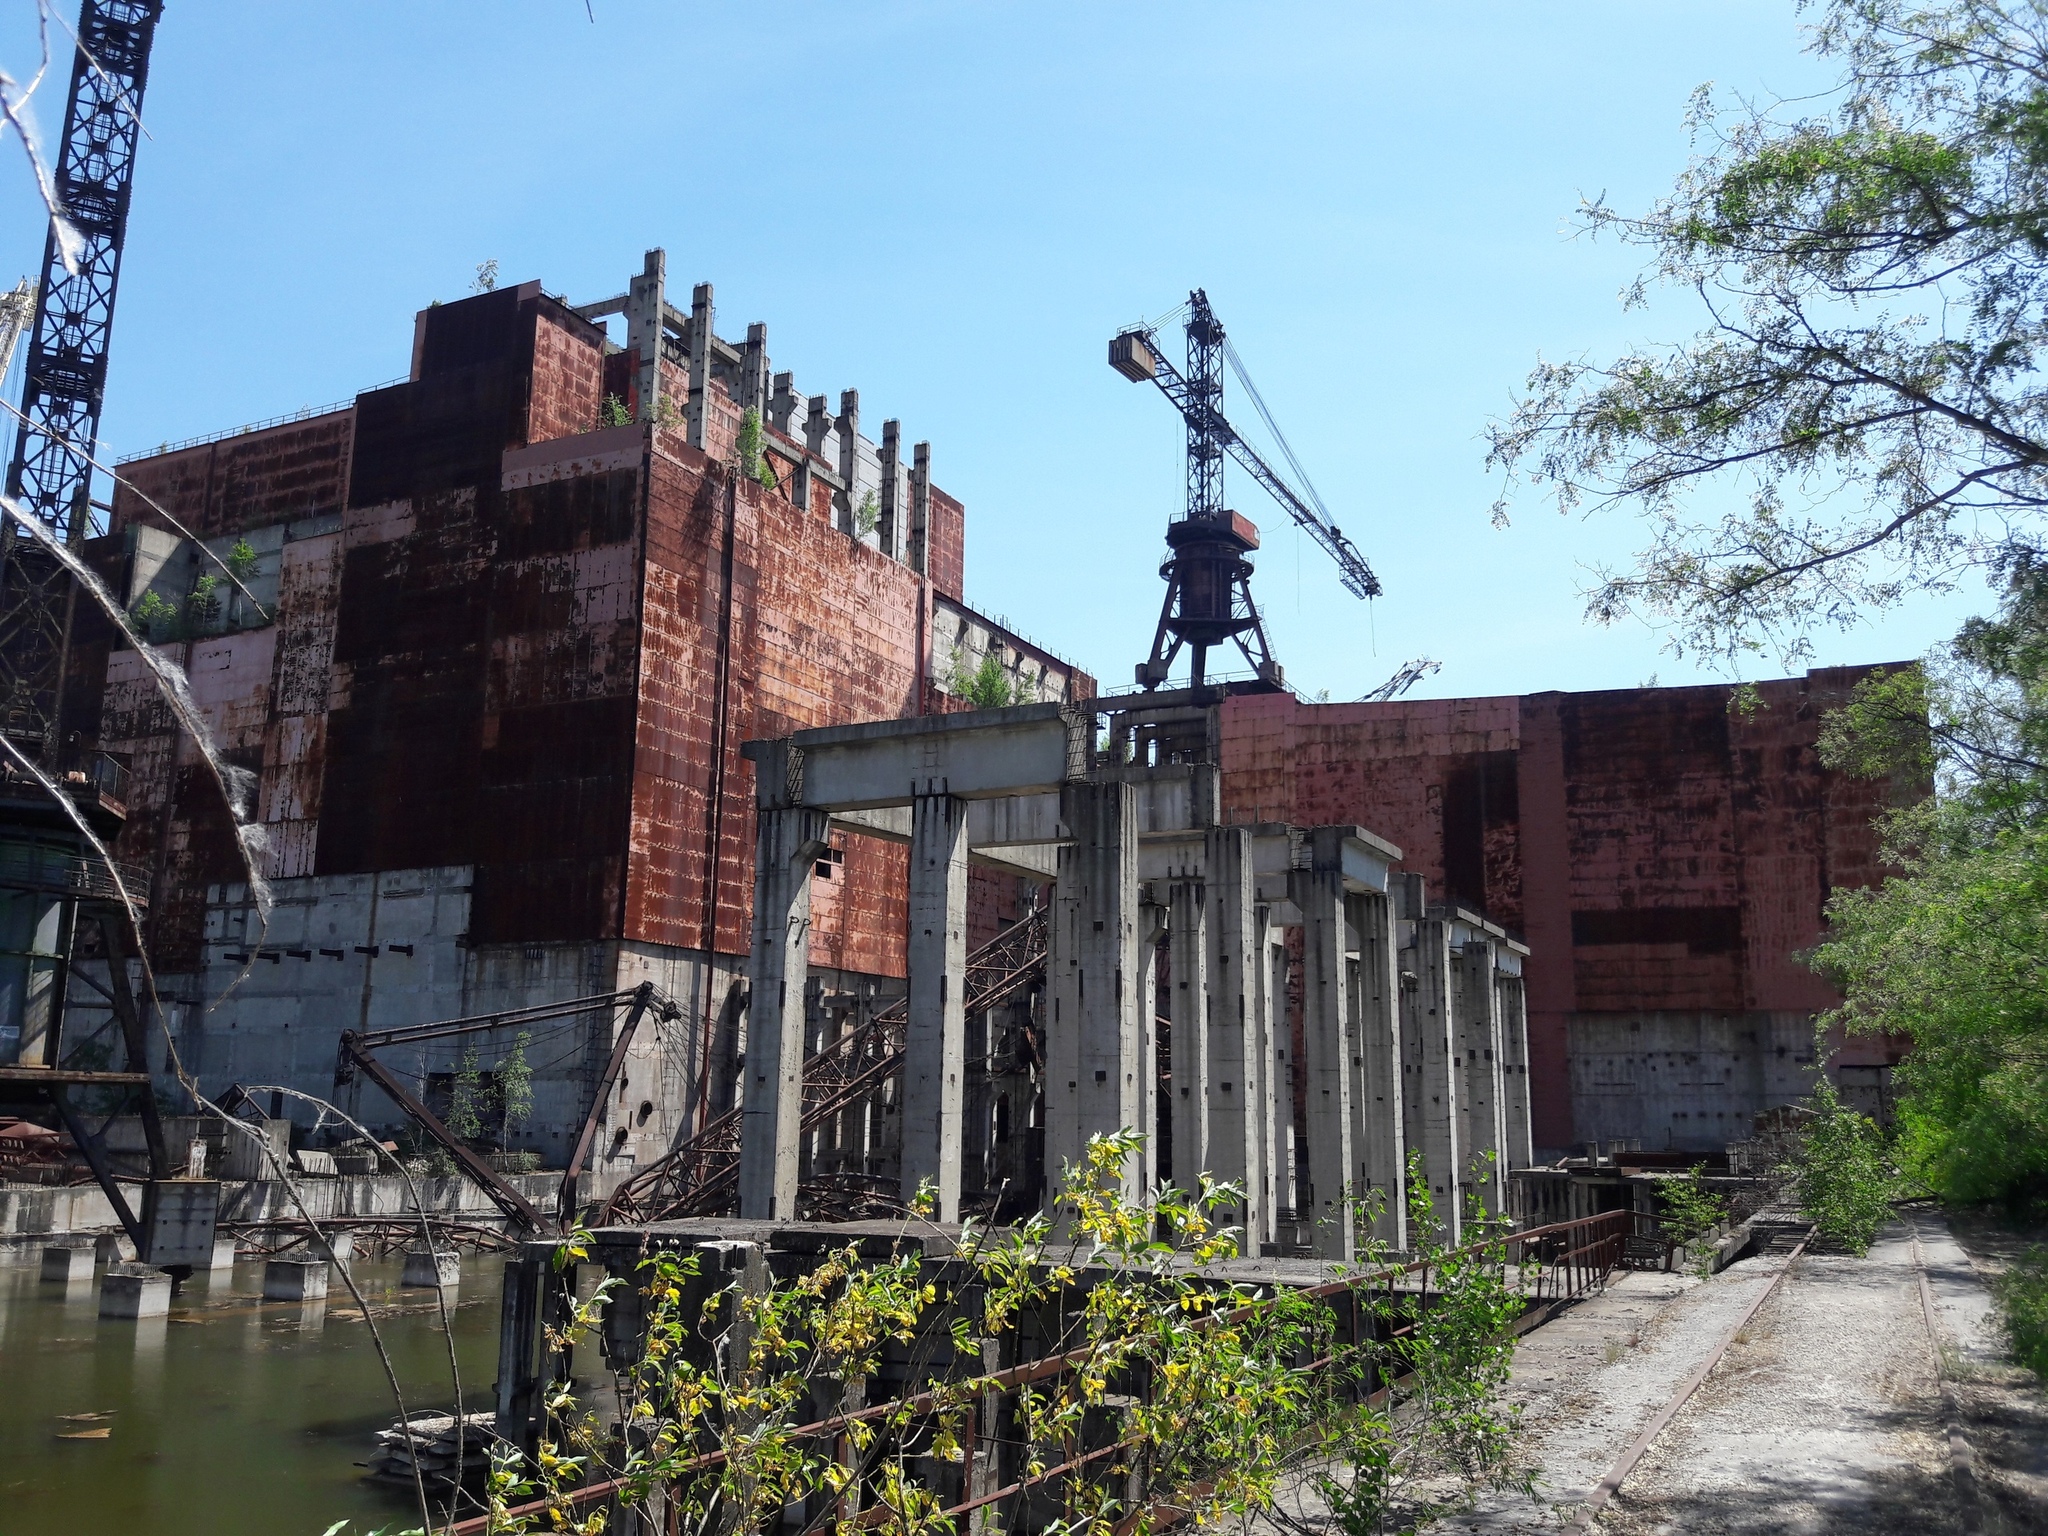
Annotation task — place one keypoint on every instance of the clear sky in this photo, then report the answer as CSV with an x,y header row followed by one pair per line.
x,y
951,205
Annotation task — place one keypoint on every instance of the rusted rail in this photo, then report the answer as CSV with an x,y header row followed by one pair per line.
x,y
1548,1265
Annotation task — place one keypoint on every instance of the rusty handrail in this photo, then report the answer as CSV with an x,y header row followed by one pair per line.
x,y
1049,1366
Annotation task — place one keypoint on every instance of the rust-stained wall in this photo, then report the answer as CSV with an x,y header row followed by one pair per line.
x,y
510,640
1661,854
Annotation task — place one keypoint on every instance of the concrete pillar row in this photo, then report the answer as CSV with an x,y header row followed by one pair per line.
x,y
1239,1046
1187,1012
786,848
1319,893
1476,1020
1514,1034
935,1036
1429,1066
1382,1142
1096,1080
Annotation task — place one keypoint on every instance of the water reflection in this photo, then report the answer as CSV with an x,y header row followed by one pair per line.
x,y
230,1417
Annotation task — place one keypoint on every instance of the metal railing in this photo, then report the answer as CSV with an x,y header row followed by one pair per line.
x,y
1547,1266
57,872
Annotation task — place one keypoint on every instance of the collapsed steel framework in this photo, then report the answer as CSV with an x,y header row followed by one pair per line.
x,y
700,1177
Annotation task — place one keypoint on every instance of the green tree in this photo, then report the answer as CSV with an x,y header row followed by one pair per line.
x,y
1949,951
985,686
1864,401
1840,1173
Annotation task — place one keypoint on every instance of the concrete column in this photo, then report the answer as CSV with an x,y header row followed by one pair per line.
x,y
1514,1036
1276,1098
1429,1065
1187,1012
645,300
848,422
772,1104
702,318
935,1033
919,551
1381,1137
1238,1044
1093,1033
1477,1026
1319,892
890,530
754,371
1152,918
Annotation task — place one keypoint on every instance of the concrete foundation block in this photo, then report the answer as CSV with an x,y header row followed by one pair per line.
x,y
223,1262
438,1266
134,1290
296,1279
63,1266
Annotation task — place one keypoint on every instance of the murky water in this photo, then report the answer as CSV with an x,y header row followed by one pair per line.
x,y
231,1417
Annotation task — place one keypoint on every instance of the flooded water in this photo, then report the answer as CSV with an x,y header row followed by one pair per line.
x,y
231,1417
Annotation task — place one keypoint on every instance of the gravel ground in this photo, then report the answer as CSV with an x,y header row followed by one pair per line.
x,y
1826,1414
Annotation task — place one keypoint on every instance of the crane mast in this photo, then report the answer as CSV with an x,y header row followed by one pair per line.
x,y
66,374
1208,570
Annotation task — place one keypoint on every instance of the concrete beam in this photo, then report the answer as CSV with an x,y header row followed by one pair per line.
x,y
787,845
1030,749
935,1034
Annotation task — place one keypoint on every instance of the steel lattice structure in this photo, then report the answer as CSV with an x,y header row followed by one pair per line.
x,y
701,1177
51,471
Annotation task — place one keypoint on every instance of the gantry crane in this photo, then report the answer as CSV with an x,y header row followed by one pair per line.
x,y
1207,572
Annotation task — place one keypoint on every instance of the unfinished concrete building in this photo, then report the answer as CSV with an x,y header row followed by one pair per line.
x,y
1409,1032
508,621
1665,854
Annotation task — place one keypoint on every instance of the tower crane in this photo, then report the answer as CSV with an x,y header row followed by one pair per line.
x,y
1207,570
66,377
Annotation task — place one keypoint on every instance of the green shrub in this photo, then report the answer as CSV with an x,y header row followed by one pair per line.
x,y
2022,1293
612,412
1841,1174
241,559
154,617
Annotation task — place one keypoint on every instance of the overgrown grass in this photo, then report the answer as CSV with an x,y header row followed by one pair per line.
x,y
2022,1293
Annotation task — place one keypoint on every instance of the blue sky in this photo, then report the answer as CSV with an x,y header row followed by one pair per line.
x,y
951,206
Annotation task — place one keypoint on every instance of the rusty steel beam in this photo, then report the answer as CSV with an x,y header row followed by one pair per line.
x,y
501,1194
643,995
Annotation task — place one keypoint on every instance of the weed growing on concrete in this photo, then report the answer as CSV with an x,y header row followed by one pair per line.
x,y
1692,1212
1840,1174
867,517
753,464
612,412
986,686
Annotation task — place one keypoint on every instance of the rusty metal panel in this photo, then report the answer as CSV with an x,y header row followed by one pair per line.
x,y
294,471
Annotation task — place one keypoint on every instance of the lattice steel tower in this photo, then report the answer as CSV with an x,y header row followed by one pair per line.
x,y
66,379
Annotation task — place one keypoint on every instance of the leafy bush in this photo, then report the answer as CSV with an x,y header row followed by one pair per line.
x,y
1841,1175
612,412
1692,1212
2022,1293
